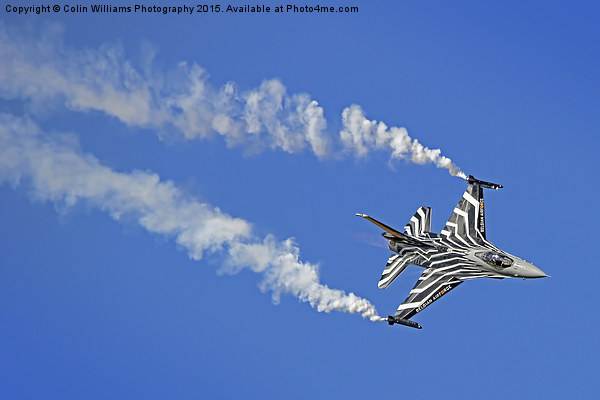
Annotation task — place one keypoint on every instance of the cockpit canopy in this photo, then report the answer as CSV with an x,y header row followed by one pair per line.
x,y
496,259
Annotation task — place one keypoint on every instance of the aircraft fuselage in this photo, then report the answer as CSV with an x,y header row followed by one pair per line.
x,y
489,260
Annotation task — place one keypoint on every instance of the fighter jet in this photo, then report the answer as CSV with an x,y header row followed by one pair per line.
x,y
459,253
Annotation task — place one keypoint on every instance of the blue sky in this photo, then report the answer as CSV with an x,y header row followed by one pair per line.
x,y
135,211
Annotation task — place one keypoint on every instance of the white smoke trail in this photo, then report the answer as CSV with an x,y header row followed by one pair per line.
x,y
362,135
54,170
43,68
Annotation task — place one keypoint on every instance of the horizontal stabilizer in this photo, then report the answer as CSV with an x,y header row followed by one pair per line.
x,y
420,223
394,267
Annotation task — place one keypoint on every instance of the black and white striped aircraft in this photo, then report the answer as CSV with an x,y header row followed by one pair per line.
x,y
459,253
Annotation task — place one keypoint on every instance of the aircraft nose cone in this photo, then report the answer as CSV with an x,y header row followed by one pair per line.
x,y
531,271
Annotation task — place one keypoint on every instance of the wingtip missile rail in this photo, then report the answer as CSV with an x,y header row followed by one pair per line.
x,y
489,185
391,320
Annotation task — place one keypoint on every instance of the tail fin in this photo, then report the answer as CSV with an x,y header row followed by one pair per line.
x,y
391,231
420,223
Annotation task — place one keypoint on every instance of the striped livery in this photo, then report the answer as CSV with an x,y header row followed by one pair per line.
x,y
460,252
420,223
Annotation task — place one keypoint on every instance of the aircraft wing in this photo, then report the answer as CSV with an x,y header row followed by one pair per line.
x,y
467,222
432,285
